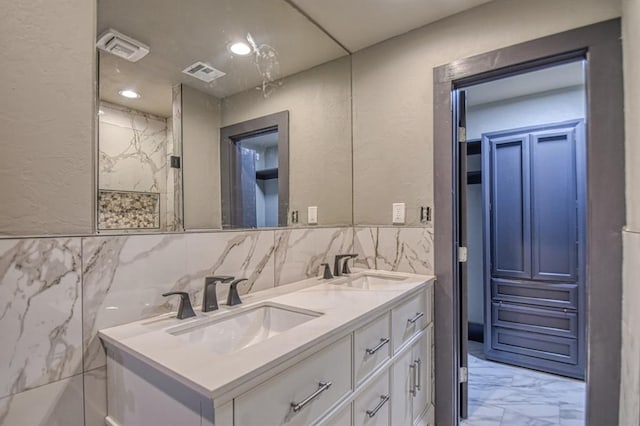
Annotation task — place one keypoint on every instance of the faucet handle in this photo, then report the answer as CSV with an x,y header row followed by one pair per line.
x,y
184,308
327,275
233,298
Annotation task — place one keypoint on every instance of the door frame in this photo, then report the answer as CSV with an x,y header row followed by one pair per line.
x,y
601,44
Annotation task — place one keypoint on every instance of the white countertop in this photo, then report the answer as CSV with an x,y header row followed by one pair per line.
x,y
214,375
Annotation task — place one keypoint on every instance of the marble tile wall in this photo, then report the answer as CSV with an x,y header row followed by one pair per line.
x,y
134,149
402,249
56,293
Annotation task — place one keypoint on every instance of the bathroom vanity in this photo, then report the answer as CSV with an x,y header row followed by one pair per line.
x,y
354,350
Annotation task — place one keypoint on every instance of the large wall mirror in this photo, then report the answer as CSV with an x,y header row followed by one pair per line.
x,y
220,114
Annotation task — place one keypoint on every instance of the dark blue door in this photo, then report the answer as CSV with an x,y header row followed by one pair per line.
x,y
534,239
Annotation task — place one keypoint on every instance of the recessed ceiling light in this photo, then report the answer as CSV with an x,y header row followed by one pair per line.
x,y
129,94
240,48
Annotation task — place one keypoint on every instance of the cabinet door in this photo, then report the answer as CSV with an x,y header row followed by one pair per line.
x,y
401,390
421,359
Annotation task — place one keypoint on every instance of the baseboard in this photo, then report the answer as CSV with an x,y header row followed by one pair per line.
x,y
476,332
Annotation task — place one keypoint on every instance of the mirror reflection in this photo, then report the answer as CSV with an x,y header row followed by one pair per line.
x,y
220,114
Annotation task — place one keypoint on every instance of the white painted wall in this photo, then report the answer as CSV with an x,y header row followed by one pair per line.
x,y
393,93
542,108
47,117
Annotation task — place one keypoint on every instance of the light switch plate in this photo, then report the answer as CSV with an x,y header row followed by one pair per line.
x,y
398,213
312,215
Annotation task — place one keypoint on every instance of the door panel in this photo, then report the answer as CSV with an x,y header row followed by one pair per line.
x,y
554,205
538,320
510,228
552,295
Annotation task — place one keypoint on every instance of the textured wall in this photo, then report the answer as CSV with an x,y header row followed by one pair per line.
x,y
319,104
393,99
201,159
630,370
46,116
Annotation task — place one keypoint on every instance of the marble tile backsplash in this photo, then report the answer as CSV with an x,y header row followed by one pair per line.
x,y
401,249
56,293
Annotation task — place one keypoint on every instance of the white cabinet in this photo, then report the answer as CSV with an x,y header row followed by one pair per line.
x,y
301,394
411,391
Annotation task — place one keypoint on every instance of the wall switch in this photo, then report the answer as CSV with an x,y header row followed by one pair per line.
x,y
294,216
398,213
312,215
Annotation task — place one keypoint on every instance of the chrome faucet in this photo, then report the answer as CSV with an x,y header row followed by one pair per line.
x,y
233,298
184,308
210,299
337,270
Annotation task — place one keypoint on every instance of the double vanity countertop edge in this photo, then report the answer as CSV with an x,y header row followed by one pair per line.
x,y
216,376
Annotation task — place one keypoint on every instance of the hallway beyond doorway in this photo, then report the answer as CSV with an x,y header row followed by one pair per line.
x,y
503,395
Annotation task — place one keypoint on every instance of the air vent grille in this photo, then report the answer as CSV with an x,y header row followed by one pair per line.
x,y
203,72
118,44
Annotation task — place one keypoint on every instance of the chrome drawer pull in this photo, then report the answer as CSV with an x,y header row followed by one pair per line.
x,y
322,386
418,362
383,400
412,379
383,342
416,318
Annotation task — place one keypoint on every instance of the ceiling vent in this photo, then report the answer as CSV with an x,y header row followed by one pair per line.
x,y
203,72
120,45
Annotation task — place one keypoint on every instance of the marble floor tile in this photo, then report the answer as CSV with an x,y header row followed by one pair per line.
x,y
520,396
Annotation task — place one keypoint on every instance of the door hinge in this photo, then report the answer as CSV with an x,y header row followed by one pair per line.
x,y
462,134
463,375
462,254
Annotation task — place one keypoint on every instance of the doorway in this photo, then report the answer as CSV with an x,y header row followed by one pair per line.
x,y
524,211
254,172
600,45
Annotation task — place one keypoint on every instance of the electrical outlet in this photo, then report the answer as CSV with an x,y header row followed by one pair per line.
x,y
312,215
294,216
398,213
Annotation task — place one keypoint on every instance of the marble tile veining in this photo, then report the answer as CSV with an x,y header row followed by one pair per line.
x,y
504,395
300,252
401,249
125,276
40,312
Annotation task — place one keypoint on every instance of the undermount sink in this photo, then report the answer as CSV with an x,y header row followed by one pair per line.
x,y
370,282
238,331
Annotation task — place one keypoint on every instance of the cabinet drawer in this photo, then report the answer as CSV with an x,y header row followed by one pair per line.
x,y
372,407
343,418
409,318
372,347
272,402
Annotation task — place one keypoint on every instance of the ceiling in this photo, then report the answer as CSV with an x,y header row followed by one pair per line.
x,y
554,78
180,33
357,24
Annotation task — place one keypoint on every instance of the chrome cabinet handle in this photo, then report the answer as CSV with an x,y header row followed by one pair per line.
x,y
412,379
383,400
418,362
416,318
322,386
383,342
